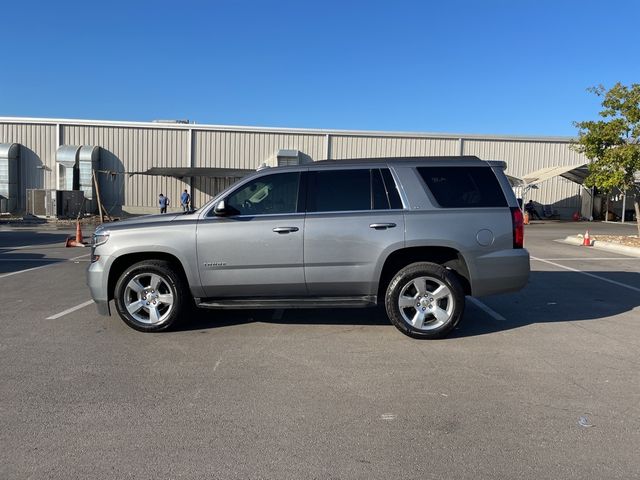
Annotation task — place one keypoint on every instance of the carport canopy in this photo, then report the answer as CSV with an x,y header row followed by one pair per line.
x,y
575,173
182,172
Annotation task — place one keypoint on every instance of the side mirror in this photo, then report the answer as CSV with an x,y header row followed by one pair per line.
x,y
221,209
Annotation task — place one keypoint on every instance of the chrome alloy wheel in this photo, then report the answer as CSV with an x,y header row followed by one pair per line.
x,y
148,298
426,303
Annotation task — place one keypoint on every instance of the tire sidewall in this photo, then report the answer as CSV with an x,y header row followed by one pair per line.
x,y
167,275
411,272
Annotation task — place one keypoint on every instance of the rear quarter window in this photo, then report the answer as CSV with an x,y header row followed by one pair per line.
x,y
463,187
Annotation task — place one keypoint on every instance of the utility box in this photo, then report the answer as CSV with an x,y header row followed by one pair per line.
x,y
288,157
55,203
35,202
65,203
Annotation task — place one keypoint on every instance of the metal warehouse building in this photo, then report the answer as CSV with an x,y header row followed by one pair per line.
x,y
38,153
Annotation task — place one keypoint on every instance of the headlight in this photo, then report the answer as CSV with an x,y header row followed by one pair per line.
x,y
99,238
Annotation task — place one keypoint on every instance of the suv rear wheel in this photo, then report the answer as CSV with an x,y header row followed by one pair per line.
x,y
424,300
150,296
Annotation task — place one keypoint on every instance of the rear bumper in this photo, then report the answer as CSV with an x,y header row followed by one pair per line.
x,y
500,272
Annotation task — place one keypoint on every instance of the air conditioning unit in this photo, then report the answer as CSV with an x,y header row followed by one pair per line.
x,y
55,203
35,202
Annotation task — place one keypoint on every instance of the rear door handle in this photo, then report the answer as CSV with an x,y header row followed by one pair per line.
x,y
382,226
285,229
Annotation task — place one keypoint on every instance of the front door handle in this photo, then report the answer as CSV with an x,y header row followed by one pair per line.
x,y
285,229
382,226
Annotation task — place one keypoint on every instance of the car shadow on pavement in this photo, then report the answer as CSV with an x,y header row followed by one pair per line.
x,y
554,297
16,239
205,318
24,250
14,262
550,297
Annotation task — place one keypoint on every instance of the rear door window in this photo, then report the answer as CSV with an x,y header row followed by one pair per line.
x,y
339,190
352,190
463,187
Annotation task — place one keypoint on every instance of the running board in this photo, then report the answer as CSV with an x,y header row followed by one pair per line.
x,y
287,303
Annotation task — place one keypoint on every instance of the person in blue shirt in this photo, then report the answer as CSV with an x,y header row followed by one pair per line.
x,y
185,199
163,202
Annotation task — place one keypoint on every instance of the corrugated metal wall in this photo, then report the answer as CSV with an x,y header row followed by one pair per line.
x,y
127,147
524,157
245,150
37,155
349,146
249,149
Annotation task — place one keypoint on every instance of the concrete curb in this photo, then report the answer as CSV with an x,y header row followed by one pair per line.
x,y
597,244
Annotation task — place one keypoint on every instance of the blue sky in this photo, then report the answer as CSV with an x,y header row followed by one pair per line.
x,y
498,67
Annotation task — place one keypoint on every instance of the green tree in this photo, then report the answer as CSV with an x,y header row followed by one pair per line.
x,y
613,143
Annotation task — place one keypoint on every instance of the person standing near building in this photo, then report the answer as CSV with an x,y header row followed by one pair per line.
x,y
530,208
185,199
163,202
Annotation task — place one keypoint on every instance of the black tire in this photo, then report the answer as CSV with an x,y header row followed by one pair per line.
x,y
435,317
172,284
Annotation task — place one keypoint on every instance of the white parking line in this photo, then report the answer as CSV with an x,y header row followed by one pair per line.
x,y
70,310
36,260
569,259
34,247
486,308
620,284
43,266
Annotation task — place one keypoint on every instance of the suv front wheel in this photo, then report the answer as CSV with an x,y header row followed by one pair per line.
x,y
424,300
150,295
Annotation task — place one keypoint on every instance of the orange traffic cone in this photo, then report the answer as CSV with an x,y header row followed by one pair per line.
x,y
78,242
586,241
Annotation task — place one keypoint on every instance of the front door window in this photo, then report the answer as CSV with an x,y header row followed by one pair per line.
x,y
271,194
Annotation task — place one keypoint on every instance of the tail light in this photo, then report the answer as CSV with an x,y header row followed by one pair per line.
x,y
517,219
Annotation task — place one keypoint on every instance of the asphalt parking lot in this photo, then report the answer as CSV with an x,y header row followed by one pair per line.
x,y
544,383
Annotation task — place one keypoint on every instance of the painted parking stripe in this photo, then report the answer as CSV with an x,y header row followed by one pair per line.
x,y
37,260
70,310
620,284
582,259
486,309
44,246
43,266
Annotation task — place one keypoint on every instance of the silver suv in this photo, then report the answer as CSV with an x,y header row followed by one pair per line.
x,y
413,234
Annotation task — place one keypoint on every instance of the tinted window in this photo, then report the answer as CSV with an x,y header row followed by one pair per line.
x,y
277,193
463,187
378,192
339,190
391,189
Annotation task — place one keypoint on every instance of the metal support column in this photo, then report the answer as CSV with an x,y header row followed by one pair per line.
x,y
327,147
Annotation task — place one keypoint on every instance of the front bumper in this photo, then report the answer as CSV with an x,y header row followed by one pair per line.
x,y
102,308
98,283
